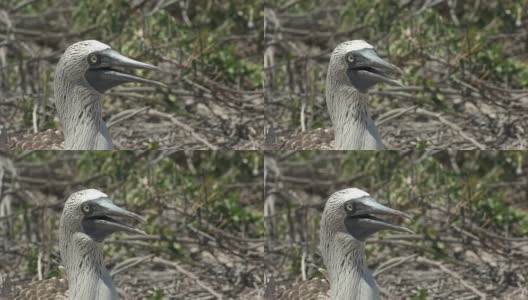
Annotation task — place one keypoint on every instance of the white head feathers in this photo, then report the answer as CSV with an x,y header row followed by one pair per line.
x,y
349,46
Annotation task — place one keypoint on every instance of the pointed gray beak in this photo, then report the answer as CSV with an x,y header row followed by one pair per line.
x,y
104,75
106,218
370,69
366,218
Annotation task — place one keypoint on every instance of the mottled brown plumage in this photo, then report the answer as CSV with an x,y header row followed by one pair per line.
x,y
50,139
320,138
314,289
48,289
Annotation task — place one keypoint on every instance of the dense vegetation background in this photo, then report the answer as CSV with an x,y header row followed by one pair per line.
x,y
204,220
210,53
470,218
465,68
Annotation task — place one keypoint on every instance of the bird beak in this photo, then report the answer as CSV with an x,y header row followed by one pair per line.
x,y
107,218
367,218
372,68
104,75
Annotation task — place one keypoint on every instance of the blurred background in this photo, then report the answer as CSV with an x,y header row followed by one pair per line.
x,y
470,218
204,220
465,68
210,53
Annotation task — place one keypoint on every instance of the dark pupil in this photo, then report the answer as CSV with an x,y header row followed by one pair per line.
x,y
93,59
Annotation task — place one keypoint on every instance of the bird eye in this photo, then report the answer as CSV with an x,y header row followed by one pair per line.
x,y
350,207
350,58
86,208
93,59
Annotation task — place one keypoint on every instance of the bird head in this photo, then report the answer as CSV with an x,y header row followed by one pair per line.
x,y
99,67
90,215
353,212
360,66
